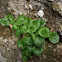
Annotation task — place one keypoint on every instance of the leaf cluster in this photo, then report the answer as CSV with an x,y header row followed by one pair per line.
x,y
8,19
34,33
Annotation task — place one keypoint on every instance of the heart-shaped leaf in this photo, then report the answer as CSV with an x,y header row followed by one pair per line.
x,y
25,52
24,57
17,32
42,23
20,43
38,51
10,17
21,19
4,23
36,23
39,41
30,48
44,32
24,29
32,36
54,38
14,27
32,28
28,40
27,23
6,18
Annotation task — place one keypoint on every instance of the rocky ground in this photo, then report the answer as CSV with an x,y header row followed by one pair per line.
x,y
52,15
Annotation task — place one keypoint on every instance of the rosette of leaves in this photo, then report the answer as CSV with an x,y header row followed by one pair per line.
x,y
11,19
33,34
4,21
8,19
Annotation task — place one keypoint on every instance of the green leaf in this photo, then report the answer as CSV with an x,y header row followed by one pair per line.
x,y
0,21
24,29
32,36
38,51
21,20
42,23
11,18
28,40
4,23
44,32
31,56
25,52
12,21
39,41
32,28
7,23
20,43
17,32
24,57
6,18
36,23
30,48
54,38
27,23
14,27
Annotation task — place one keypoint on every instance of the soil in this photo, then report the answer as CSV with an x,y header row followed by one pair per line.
x,y
9,52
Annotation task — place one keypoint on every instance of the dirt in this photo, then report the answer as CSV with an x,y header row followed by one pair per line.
x,y
9,52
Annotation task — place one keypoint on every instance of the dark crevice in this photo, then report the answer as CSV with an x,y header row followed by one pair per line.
x,y
27,0
60,36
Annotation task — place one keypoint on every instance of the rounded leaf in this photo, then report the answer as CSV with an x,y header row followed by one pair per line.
x,y
14,27
24,57
36,23
27,23
42,23
32,28
38,51
20,43
27,40
4,23
24,29
6,18
17,32
39,41
30,48
25,52
21,19
54,38
32,36
44,32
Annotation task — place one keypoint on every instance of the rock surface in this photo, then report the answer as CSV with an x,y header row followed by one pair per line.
x,y
57,7
52,15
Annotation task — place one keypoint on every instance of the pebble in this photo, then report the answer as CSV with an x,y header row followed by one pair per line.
x,y
5,40
11,41
30,6
1,38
